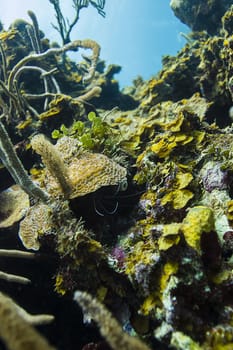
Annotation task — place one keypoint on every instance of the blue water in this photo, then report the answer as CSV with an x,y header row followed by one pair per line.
x,y
134,33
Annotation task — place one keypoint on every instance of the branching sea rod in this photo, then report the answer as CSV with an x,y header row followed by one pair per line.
x,y
15,328
109,327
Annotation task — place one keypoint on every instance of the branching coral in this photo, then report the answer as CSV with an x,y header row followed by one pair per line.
x,y
109,327
87,44
72,46
15,328
18,102
35,34
76,172
15,167
64,27
15,323
15,254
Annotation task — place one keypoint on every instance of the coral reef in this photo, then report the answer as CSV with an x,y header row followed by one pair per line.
x,y
204,65
77,172
200,14
131,206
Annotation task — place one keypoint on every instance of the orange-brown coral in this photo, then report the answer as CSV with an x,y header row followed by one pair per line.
x,y
86,171
13,205
92,171
37,222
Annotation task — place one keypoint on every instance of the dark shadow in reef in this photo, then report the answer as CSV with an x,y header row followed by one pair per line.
x,y
108,212
67,331
219,114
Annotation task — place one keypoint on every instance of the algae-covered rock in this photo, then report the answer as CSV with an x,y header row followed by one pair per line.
x,y
198,221
182,342
200,14
163,248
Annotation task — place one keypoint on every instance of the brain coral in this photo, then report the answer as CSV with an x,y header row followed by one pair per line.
x,y
37,222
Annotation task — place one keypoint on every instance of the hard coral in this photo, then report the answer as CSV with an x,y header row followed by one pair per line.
x,y
14,203
86,171
92,171
15,331
109,327
37,222
172,260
